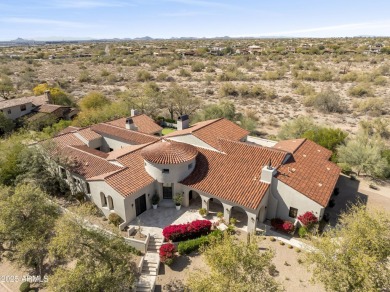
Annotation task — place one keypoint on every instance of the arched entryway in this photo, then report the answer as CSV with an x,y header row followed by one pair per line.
x,y
241,216
215,206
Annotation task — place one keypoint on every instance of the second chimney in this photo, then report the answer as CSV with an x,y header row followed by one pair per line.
x,y
134,112
48,96
130,125
183,122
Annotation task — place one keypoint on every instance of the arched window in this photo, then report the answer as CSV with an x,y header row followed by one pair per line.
x,y
103,199
110,203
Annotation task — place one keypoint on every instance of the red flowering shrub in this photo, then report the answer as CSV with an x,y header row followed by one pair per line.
x,y
288,226
186,231
282,225
308,219
167,253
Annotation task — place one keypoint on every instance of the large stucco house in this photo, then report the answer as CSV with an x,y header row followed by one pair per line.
x,y
122,163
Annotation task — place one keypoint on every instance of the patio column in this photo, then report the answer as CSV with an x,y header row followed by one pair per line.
x,y
205,202
252,222
186,199
227,210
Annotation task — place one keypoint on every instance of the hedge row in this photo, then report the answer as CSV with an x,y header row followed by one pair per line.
x,y
186,247
187,231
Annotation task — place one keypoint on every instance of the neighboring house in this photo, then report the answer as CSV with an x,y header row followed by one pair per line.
x,y
18,107
47,111
120,167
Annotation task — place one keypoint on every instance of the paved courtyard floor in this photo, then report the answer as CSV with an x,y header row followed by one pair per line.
x,y
154,220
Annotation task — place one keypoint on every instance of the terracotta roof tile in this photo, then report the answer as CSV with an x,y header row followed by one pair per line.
x,y
88,134
68,130
211,131
118,153
66,139
144,124
132,137
92,151
234,175
50,108
289,145
169,152
309,172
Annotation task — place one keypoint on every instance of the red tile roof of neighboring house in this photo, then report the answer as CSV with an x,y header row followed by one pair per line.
x,y
211,131
68,130
86,164
88,134
50,108
169,152
129,136
235,174
144,124
309,172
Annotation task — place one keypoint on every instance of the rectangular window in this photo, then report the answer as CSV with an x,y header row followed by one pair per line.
x,y
88,188
23,107
293,212
165,170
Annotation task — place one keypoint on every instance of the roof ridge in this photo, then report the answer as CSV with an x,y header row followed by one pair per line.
x,y
113,126
132,151
89,153
254,145
304,140
212,122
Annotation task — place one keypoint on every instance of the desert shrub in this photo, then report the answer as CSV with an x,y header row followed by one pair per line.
x,y
349,77
115,219
321,75
287,99
24,287
303,89
371,106
308,219
361,90
162,76
228,89
186,231
143,76
258,91
327,101
85,77
186,247
232,74
380,80
184,73
272,75
94,100
167,253
329,138
197,67
244,90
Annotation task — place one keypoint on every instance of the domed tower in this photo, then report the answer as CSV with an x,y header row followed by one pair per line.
x,y
169,162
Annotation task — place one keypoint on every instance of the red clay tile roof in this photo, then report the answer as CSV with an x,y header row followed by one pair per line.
x,y
211,131
68,130
129,136
144,124
88,165
309,172
167,152
289,145
113,155
92,151
88,134
234,175
66,139
131,179
50,108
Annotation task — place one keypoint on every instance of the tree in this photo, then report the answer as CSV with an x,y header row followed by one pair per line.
x,y
57,95
326,137
102,263
296,128
363,154
327,101
235,266
6,125
223,109
179,100
94,100
354,256
26,223
6,86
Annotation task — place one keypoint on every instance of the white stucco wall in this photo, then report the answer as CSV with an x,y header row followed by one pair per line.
x,y
192,140
16,112
113,143
177,172
288,197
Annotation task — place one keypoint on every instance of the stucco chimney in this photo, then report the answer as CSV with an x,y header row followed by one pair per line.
x,y
267,173
130,124
48,96
134,112
183,122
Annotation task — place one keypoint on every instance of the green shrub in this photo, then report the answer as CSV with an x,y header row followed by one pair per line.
x,y
327,101
143,76
228,89
24,287
115,219
302,231
186,247
361,90
184,73
197,67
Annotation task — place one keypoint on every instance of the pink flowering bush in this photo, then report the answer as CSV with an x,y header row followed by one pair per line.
x,y
282,225
167,253
308,219
186,231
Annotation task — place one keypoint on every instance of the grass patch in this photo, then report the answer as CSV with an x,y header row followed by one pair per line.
x,y
166,131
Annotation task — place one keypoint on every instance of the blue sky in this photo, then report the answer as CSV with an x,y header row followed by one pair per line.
x,y
203,18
